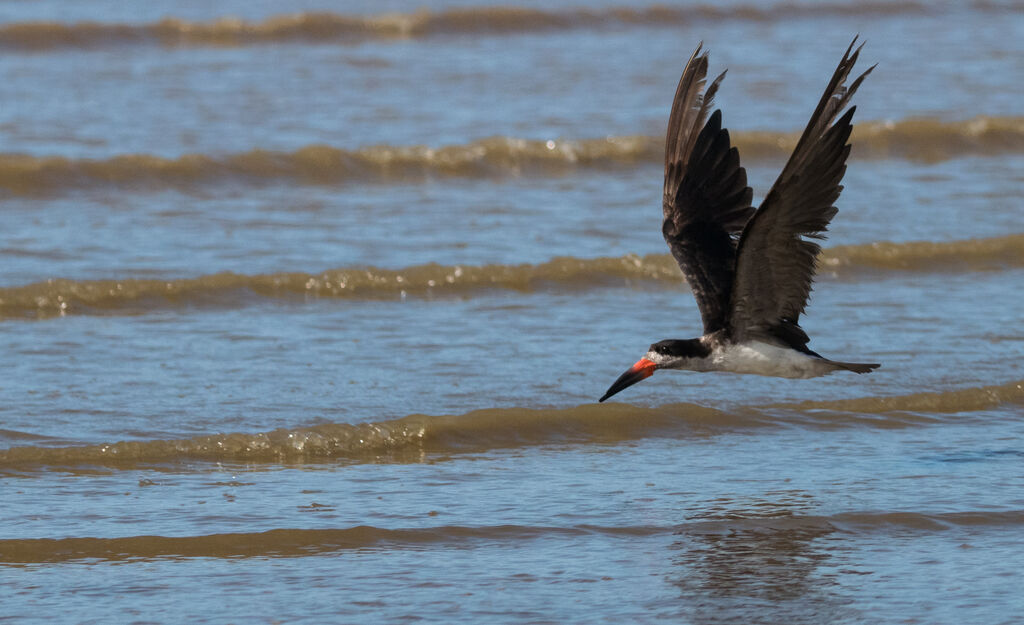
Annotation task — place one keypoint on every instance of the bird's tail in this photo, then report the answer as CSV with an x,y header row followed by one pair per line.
x,y
856,367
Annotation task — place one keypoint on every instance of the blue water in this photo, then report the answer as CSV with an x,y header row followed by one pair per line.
x,y
701,498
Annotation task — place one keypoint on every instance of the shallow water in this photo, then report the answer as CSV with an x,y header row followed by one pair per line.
x,y
304,317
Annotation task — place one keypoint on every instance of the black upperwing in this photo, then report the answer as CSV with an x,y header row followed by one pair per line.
x,y
706,198
775,264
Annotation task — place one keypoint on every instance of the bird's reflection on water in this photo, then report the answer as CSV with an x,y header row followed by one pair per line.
x,y
766,562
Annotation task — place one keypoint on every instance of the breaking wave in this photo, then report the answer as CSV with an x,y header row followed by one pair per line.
x,y
411,438
914,139
318,27
59,297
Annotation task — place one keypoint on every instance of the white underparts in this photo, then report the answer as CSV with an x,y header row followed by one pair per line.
x,y
763,359
754,357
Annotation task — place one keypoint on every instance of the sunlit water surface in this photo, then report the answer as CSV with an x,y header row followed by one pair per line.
x,y
309,328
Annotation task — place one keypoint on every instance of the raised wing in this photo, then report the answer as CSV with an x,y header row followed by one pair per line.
x,y
706,198
775,263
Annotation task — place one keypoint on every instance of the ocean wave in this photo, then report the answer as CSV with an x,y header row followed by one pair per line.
x,y
853,522
406,438
306,542
60,297
413,437
318,27
915,405
279,542
914,139
986,254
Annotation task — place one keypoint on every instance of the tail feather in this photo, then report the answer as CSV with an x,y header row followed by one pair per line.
x,y
856,367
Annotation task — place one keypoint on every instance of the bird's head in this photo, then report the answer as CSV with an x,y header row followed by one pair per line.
x,y
667,354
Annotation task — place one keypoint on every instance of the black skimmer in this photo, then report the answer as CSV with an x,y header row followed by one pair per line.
x,y
750,270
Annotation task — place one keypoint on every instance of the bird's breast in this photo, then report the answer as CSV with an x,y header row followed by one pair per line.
x,y
771,360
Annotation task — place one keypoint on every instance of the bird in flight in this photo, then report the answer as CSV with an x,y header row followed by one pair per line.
x,y
750,270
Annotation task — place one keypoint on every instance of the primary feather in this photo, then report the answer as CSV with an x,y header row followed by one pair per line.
x,y
775,264
706,199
